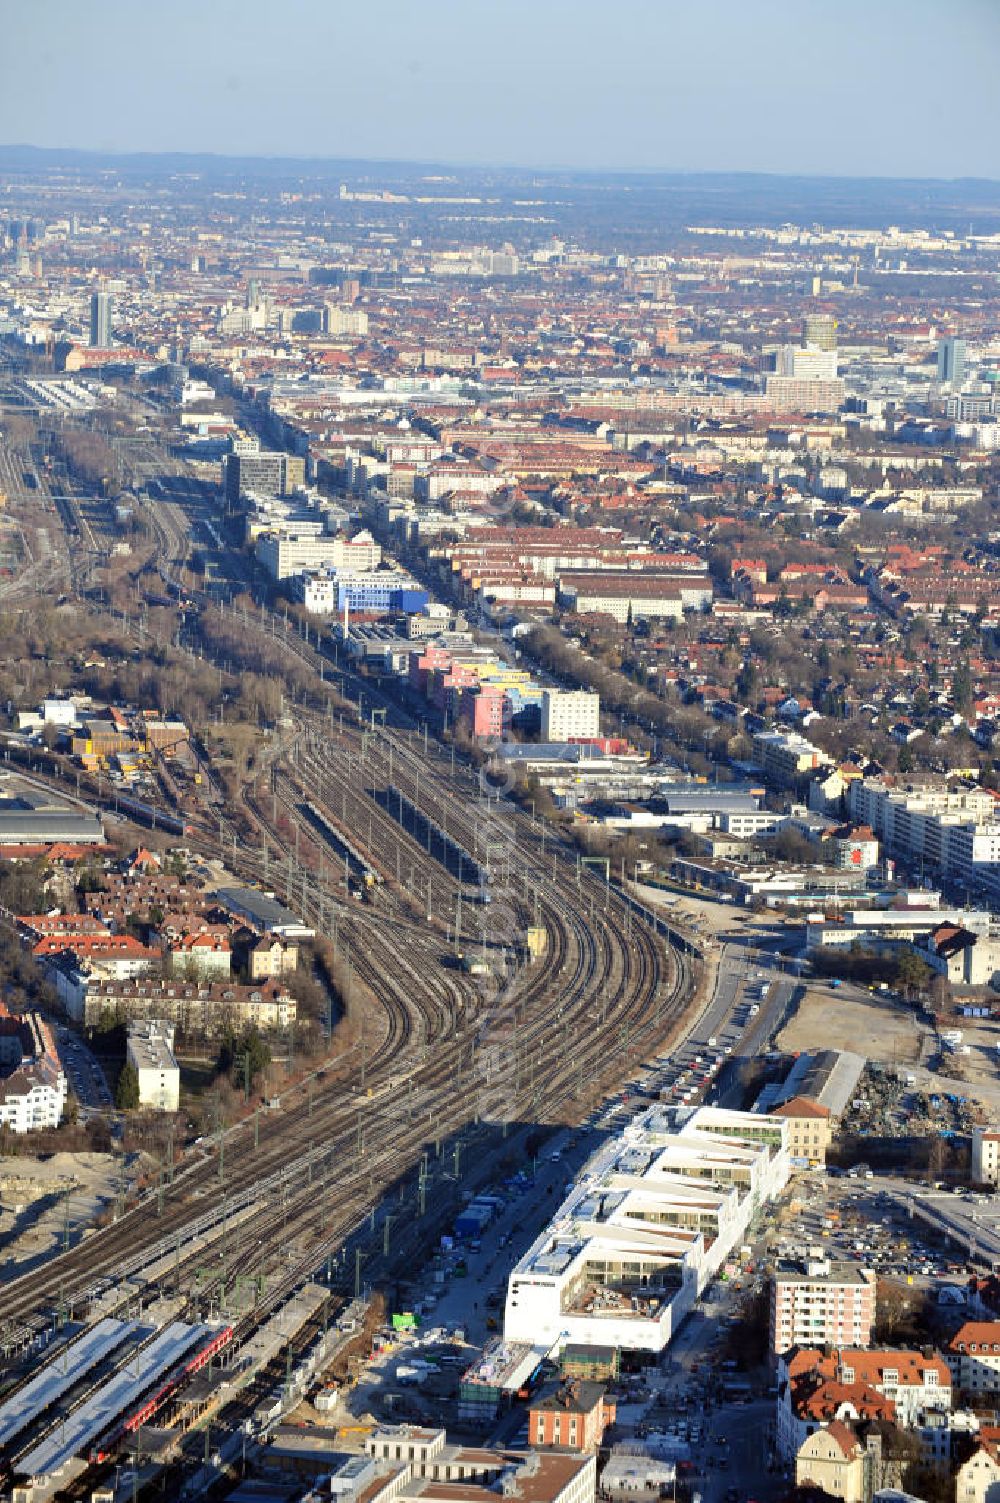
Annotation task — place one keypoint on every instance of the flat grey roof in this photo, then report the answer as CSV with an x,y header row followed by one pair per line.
x,y
104,1407
570,752
840,1273
698,800
151,1054
43,826
60,1374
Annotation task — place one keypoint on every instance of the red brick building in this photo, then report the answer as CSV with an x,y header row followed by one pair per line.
x,y
571,1415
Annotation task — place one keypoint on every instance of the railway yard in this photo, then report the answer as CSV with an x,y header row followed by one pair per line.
x,y
461,1044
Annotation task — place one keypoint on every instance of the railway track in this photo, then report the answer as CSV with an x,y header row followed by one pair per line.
x,y
555,1028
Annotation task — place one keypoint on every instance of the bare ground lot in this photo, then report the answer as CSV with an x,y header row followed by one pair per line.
x,y
47,1199
893,1034
828,1018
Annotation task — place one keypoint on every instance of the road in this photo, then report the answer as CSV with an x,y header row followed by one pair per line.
x,y
83,1071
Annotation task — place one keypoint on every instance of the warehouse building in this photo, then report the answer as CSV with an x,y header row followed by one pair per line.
x,y
263,912
28,821
813,1098
651,1221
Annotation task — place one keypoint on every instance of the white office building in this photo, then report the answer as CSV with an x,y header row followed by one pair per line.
x,y
650,1222
285,553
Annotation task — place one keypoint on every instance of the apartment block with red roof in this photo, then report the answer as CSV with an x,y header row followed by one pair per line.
x,y
973,1355
201,953
816,1387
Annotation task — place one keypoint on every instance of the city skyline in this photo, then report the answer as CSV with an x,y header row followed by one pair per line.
x,y
769,89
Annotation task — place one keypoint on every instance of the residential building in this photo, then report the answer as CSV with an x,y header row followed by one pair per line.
x,y
821,1302
33,1085
339,320
973,1355
796,393
951,831
809,1130
811,1400
833,1460
917,1382
985,1156
636,593
206,1007
977,1479
270,957
786,758
149,1051
816,1387
204,954
962,956
851,846
484,710
570,715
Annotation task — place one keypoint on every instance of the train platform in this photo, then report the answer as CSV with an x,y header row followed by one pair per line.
x,y
62,1373
103,1409
274,1335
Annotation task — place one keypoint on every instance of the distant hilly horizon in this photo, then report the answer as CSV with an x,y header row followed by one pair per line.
x,y
23,154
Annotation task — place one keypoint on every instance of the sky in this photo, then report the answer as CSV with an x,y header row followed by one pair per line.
x,y
853,88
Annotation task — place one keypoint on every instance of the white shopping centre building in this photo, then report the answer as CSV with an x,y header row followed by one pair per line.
x,y
652,1219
